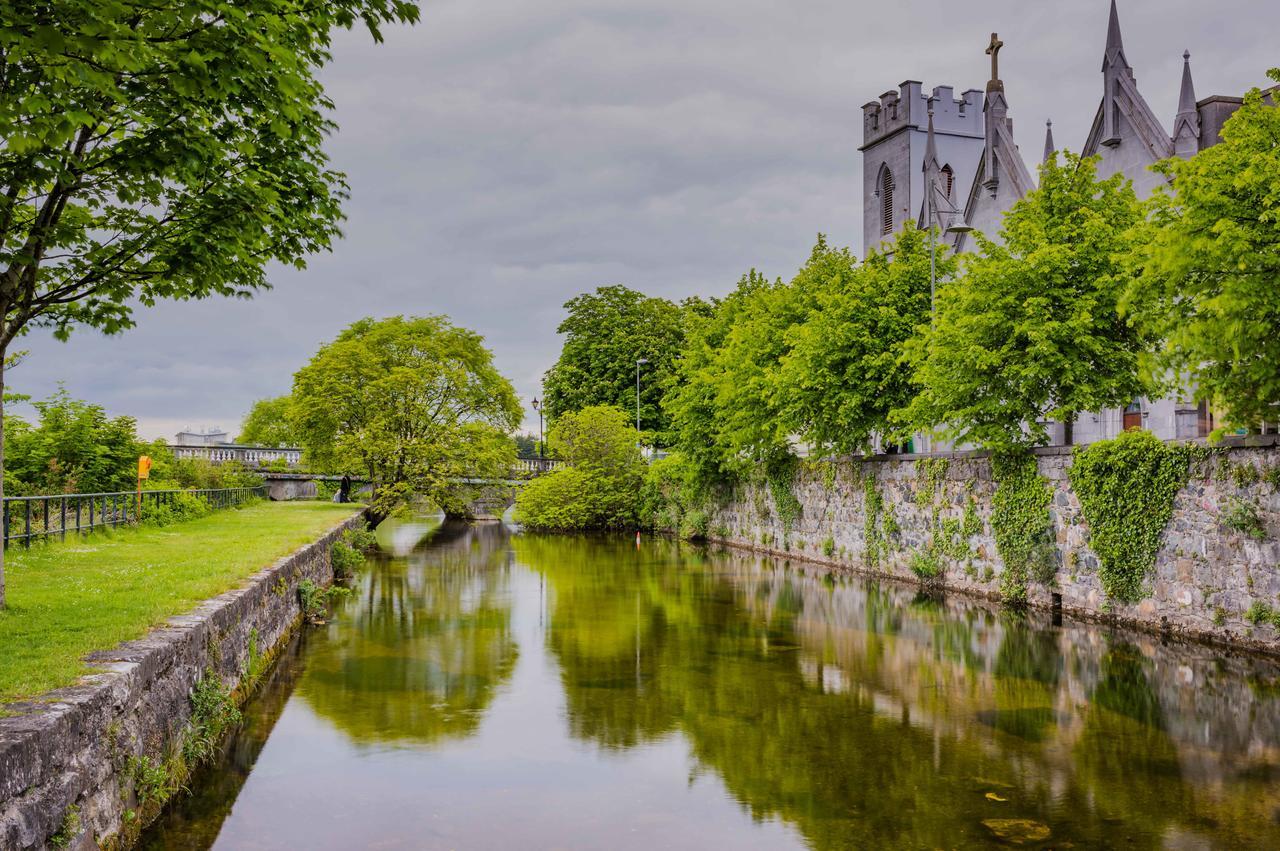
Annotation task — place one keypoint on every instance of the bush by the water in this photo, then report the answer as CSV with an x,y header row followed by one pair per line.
x,y
601,486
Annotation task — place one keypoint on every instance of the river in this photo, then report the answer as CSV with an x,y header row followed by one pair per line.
x,y
489,690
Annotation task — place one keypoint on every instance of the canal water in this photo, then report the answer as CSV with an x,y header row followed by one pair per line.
x,y
489,690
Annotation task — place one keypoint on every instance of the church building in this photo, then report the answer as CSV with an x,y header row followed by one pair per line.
x,y
962,150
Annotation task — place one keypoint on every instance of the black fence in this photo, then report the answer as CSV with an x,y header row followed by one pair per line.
x,y
28,518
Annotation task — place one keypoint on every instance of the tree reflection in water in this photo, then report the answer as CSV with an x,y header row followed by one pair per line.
x,y
836,711
417,654
871,716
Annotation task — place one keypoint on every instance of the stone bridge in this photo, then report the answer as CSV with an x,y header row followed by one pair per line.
x,y
490,498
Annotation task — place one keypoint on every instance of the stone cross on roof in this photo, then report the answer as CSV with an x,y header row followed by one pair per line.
x,y
993,50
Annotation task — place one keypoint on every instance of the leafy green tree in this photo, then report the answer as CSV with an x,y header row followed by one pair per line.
x,y
161,150
412,403
691,393
605,333
600,487
1209,266
1031,329
845,371
269,423
74,448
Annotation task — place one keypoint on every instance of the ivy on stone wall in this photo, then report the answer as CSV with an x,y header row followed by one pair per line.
x,y
1126,488
930,474
781,475
1020,522
872,505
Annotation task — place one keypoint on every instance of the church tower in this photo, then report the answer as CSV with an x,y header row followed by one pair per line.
x,y
895,138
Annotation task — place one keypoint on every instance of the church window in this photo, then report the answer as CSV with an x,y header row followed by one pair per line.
x,y
948,180
886,201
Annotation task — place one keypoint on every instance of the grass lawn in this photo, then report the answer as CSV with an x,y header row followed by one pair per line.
x,y
69,599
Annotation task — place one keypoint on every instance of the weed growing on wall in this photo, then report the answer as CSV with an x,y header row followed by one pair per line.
x,y
1126,488
314,599
1242,516
1261,613
68,830
1020,521
213,713
926,564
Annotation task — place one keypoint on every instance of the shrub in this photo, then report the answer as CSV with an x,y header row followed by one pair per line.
x,y
174,508
345,558
573,499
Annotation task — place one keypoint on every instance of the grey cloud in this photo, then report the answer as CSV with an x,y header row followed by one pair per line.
x,y
505,155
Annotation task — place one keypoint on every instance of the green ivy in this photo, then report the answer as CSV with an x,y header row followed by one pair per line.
x,y
1273,477
1126,488
972,522
1020,521
951,540
930,474
781,474
872,505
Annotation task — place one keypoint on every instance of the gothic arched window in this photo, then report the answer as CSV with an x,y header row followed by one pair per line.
x,y
886,200
948,180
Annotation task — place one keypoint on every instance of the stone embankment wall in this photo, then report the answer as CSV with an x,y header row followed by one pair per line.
x,y
1207,576
76,765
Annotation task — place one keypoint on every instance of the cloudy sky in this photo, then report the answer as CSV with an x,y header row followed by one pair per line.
x,y
505,155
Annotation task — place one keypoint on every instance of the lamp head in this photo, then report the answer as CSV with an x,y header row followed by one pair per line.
x,y
958,225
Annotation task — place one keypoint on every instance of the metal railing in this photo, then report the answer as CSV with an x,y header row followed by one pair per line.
x,y
28,518
536,466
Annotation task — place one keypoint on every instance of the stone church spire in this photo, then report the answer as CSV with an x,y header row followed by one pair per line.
x,y
1114,66
1186,125
1115,45
995,116
932,174
1049,147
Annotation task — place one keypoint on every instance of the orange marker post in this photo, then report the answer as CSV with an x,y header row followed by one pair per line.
x,y
144,471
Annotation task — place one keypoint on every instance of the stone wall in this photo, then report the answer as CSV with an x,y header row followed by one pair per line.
x,y
1206,575
73,748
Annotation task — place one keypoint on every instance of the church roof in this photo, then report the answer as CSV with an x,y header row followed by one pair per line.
x,y
1123,110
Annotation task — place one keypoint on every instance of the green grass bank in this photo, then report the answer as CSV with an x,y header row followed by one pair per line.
x,y
68,599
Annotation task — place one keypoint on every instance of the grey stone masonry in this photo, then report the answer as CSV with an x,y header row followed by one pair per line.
x,y
71,747
1206,576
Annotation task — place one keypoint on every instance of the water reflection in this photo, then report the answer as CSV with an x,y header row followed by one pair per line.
x,y
583,692
419,653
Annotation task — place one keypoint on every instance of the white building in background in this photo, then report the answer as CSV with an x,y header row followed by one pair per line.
x,y
966,147
215,446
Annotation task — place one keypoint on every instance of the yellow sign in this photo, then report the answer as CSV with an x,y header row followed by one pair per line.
x,y
144,466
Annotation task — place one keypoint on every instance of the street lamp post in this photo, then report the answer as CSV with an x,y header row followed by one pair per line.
x,y
537,406
638,362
